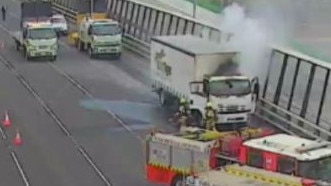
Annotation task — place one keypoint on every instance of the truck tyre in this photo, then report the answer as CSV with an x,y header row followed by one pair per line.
x,y
177,181
26,55
80,45
163,98
198,118
118,55
90,52
53,58
17,46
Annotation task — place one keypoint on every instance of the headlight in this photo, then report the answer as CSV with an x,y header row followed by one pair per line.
x,y
31,47
54,47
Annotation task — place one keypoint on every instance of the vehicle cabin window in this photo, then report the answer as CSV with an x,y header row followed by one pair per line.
x,y
286,165
255,158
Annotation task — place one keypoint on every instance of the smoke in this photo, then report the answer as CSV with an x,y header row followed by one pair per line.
x,y
252,34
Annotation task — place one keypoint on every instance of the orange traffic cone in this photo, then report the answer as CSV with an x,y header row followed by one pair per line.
x,y
6,121
17,140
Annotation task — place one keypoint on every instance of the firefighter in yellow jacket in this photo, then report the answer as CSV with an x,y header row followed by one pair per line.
x,y
182,115
210,117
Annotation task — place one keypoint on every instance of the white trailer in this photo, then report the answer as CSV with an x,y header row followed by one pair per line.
x,y
200,71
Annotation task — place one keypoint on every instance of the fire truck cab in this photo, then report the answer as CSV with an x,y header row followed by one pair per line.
x,y
289,155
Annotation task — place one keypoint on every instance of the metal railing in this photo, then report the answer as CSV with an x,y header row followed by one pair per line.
x,y
277,116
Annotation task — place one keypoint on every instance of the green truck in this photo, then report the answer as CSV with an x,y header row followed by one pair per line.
x,y
99,37
37,37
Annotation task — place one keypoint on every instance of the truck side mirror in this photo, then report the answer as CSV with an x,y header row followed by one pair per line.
x,y
24,34
196,87
255,86
206,86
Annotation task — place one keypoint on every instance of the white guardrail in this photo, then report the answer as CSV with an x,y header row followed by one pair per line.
x,y
279,117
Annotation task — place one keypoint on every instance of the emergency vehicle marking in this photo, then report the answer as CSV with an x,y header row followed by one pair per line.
x,y
292,146
183,143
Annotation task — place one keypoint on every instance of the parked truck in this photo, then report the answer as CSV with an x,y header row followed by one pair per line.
x,y
200,71
99,37
37,37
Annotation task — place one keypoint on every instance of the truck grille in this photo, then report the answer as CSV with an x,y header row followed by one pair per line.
x,y
106,44
43,47
231,108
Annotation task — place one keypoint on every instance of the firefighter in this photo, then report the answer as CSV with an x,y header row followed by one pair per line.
x,y
211,117
182,115
3,11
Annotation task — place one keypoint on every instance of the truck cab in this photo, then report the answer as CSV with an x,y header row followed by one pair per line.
x,y
289,155
100,36
233,97
39,39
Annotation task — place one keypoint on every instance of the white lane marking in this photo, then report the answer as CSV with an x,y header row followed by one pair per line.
x,y
3,134
88,94
20,169
82,151
85,91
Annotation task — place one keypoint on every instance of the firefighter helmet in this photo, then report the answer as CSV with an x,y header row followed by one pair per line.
x,y
182,101
209,105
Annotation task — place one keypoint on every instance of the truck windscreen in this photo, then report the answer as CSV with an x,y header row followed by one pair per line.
x,y
106,29
229,87
317,169
42,33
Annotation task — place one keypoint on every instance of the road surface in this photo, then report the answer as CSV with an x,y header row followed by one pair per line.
x,y
64,112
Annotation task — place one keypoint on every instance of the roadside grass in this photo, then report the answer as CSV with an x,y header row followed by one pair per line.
x,y
211,5
310,51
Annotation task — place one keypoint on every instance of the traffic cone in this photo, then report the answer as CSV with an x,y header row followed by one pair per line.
x,y
6,122
17,140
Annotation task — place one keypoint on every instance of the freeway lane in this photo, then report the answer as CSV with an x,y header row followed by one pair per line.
x,y
9,173
115,153
119,154
47,156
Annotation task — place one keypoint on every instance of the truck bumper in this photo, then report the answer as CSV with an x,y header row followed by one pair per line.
x,y
115,49
42,53
233,118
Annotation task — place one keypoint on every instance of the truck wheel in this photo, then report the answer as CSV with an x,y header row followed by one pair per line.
x,y
80,45
17,46
26,55
163,98
90,53
118,55
198,118
53,58
177,181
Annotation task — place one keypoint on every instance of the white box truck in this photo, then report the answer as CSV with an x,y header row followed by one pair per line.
x,y
186,66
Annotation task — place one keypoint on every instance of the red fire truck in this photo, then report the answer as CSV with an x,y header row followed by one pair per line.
x,y
171,157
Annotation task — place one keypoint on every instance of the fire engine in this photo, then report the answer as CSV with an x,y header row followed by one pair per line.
x,y
172,157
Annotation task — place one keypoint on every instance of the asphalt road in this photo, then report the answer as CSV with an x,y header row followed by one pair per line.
x,y
50,156
69,137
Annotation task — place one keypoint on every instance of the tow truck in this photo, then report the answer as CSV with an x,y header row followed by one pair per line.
x,y
191,154
36,38
98,37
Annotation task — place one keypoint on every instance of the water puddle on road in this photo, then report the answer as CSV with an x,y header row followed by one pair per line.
x,y
139,116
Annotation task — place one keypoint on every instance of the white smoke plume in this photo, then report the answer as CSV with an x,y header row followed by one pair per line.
x,y
251,35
